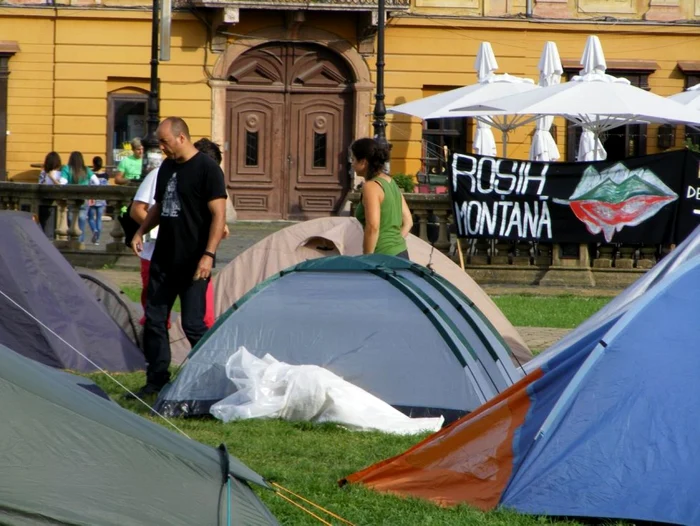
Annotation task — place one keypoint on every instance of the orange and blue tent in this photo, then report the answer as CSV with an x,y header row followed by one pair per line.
x,y
607,427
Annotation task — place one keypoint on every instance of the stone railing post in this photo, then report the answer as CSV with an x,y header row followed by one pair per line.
x,y
647,257
8,202
606,255
443,240
61,224
74,231
422,224
117,231
543,254
626,259
584,258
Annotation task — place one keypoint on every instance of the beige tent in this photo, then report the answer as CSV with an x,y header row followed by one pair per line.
x,y
331,236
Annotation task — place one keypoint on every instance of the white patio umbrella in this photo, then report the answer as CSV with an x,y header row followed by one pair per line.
x,y
689,97
491,86
596,101
590,147
486,65
544,147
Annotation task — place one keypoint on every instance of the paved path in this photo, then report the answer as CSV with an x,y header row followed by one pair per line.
x,y
540,338
243,235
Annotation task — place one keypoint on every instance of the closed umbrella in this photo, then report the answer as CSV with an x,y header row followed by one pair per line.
x,y
486,65
491,86
596,101
543,147
590,147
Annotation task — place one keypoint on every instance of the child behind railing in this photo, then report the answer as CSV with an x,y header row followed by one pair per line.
x,y
96,206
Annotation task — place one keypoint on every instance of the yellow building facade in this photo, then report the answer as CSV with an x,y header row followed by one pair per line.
x,y
285,86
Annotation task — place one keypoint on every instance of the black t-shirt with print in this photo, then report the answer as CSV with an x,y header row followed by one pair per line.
x,y
183,191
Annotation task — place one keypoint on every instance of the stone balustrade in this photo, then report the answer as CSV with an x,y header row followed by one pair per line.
x,y
488,261
499,261
69,198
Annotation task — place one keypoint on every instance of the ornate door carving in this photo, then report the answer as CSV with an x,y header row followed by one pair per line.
x,y
289,124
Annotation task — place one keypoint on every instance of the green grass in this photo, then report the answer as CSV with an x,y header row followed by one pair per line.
x,y
562,312
309,459
134,294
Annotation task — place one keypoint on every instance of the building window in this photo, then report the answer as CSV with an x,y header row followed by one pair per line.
x,y
623,141
126,120
441,139
251,148
691,133
320,149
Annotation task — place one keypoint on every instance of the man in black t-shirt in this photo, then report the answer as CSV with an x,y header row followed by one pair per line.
x,y
190,211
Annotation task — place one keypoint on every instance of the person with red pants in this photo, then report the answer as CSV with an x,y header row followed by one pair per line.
x,y
143,200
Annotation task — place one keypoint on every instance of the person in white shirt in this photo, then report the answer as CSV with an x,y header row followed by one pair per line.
x,y
143,200
50,175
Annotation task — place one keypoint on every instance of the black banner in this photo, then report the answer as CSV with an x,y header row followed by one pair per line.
x,y
654,199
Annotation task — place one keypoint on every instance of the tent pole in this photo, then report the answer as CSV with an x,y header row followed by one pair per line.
x,y
461,255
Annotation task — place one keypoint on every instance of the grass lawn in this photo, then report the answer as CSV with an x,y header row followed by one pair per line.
x,y
561,312
309,459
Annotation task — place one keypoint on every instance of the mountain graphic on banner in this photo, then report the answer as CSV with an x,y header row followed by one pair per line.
x,y
617,197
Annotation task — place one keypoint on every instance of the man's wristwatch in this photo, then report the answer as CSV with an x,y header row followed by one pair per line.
x,y
210,254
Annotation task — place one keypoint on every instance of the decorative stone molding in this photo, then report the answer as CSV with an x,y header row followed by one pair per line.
x,y
465,4
363,85
315,5
551,9
605,7
664,11
224,20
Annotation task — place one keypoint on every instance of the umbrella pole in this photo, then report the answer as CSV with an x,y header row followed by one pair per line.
x,y
505,143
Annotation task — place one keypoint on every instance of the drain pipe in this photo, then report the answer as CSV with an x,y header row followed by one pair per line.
x,y
528,8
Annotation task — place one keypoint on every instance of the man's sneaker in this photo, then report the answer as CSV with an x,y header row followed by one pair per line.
x,y
147,391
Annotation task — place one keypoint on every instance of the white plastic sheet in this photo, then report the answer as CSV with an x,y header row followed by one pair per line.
x,y
267,388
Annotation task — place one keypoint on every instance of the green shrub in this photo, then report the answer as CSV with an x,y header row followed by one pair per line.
x,y
406,182
692,147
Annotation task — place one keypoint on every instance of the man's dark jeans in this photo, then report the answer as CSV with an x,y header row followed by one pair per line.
x,y
164,286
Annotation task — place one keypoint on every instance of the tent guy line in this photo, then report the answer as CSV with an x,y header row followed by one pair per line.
x,y
106,373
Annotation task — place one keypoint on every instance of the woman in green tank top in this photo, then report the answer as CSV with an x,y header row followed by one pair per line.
x,y
383,211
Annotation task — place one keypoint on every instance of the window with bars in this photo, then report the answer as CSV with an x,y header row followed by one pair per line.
x,y
441,139
692,79
320,149
251,148
621,142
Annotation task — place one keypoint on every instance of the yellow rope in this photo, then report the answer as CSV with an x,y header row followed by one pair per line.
x,y
312,503
303,508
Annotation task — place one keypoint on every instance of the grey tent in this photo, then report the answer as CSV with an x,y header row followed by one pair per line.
x,y
41,294
71,458
389,326
120,308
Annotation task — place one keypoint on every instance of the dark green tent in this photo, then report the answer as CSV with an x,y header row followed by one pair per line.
x,y
72,458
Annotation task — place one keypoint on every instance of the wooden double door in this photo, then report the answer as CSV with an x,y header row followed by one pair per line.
x,y
289,121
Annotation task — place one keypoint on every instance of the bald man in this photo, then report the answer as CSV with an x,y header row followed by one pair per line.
x,y
190,211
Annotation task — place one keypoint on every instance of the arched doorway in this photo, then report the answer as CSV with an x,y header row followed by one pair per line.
x,y
289,116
